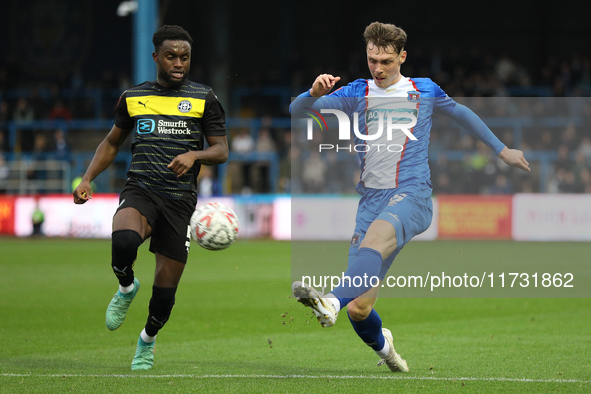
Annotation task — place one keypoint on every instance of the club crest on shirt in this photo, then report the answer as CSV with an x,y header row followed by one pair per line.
x,y
185,106
414,96
355,239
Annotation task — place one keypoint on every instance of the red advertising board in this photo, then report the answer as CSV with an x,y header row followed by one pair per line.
x,y
474,217
7,215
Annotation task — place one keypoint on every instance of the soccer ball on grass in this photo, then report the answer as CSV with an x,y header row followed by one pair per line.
x,y
214,226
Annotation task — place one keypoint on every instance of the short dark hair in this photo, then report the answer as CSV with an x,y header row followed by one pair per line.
x,y
384,35
170,32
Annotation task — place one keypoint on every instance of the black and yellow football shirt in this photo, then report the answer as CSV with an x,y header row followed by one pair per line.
x,y
167,122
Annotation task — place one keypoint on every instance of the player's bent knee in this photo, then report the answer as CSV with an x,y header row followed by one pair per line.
x,y
124,243
359,311
124,246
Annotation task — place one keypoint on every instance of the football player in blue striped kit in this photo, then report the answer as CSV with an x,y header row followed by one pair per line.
x,y
394,185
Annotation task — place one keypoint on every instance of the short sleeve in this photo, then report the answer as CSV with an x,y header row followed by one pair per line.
x,y
214,116
122,118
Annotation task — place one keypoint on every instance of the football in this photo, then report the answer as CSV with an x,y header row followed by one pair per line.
x,y
214,226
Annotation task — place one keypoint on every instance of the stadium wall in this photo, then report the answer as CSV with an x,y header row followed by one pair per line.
x,y
521,217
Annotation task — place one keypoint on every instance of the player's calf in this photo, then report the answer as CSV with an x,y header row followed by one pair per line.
x,y
160,309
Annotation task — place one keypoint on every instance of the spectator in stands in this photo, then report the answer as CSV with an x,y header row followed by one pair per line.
x,y
442,171
4,173
36,170
244,143
501,186
584,82
61,148
435,146
546,142
284,144
265,144
442,184
567,182
60,111
40,146
474,166
38,217
568,137
24,114
505,68
313,173
558,87
580,168
563,160
585,180
335,173
208,185
4,117
286,182
526,185
585,149
3,141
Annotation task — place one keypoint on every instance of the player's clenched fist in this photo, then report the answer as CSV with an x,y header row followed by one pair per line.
x,y
323,84
82,193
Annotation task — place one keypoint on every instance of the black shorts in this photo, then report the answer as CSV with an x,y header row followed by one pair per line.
x,y
169,219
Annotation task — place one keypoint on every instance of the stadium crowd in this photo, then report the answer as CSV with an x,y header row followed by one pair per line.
x,y
560,153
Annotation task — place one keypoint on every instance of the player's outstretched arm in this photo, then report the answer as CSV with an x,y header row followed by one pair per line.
x,y
466,118
103,157
323,84
216,153
514,158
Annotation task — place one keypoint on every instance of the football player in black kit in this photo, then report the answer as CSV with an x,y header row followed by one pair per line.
x,y
170,118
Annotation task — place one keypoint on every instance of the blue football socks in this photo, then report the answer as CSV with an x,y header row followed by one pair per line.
x,y
362,273
370,330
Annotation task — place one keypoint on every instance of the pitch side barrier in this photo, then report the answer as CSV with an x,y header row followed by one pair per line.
x,y
299,218
264,216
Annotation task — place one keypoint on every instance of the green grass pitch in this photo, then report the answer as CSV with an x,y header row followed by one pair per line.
x,y
234,328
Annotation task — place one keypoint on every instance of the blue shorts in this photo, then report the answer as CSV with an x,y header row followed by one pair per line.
x,y
409,210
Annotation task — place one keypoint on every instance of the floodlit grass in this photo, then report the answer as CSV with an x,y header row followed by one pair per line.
x,y
234,328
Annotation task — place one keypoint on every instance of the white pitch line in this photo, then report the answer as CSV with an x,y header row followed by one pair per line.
x,y
399,377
